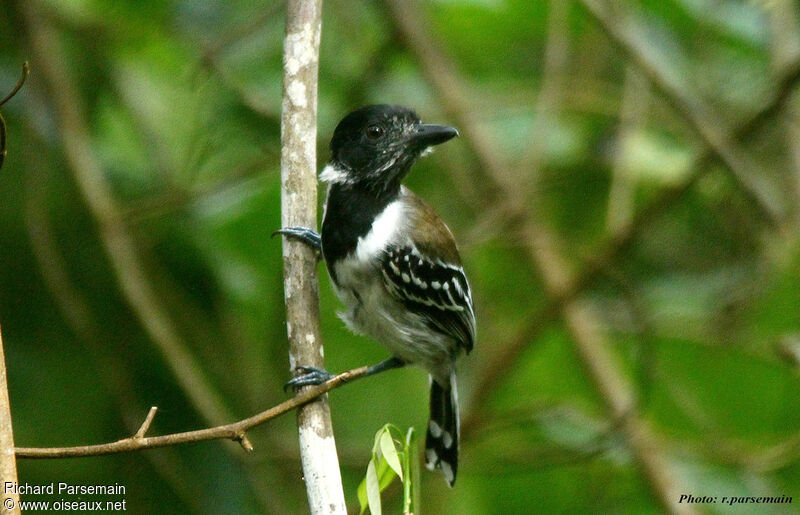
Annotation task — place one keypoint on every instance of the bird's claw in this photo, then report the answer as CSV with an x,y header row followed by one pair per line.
x,y
304,234
311,376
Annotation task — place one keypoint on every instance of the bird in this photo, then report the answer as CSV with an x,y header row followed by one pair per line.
x,y
394,263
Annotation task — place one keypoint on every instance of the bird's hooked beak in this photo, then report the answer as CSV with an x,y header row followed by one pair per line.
x,y
427,135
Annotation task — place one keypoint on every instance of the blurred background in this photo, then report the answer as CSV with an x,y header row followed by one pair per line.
x,y
625,194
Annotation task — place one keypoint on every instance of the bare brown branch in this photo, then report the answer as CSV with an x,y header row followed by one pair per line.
x,y
234,431
146,424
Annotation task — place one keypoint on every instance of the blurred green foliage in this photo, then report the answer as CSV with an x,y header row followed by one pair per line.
x,y
182,103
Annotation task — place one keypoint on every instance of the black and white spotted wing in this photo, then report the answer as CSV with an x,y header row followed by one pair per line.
x,y
437,290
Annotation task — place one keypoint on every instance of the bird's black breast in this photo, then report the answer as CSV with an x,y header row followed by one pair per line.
x,y
349,213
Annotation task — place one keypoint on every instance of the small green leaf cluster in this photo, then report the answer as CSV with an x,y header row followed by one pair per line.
x,y
393,455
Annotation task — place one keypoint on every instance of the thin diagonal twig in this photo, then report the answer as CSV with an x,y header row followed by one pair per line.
x,y
234,431
20,82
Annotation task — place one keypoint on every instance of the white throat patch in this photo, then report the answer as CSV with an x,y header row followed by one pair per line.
x,y
333,174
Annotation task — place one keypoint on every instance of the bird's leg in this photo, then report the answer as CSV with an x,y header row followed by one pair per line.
x,y
304,234
314,376
385,365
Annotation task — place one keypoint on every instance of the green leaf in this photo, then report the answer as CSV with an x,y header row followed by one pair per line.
x,y
379,471
362,495
373,489
384,465
385,474
379,476
389,452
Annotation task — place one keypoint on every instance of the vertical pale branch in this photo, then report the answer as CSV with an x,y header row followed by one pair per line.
x,y
298,208
8,461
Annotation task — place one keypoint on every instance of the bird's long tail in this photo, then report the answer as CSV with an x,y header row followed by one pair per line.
x,y
441,442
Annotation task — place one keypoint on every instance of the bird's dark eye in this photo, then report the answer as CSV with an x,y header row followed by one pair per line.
x,y
374,132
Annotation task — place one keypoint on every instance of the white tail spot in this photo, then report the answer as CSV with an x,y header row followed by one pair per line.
x,y
448,471
447,439
430,459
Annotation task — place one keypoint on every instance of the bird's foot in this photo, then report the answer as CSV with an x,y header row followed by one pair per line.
x,y
304,234
310,376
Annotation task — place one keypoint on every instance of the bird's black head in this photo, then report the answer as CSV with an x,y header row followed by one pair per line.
x,y
376,145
